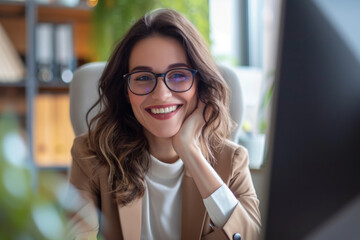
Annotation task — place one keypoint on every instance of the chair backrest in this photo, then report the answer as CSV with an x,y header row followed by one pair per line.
x,y
83,94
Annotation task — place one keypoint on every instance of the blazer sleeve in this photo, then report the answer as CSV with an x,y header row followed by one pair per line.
x,y
82,197
245,218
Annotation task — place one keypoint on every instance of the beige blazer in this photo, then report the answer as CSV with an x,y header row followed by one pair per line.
x,y
101,214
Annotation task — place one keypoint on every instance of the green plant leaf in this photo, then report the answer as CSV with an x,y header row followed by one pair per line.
x,y
111,19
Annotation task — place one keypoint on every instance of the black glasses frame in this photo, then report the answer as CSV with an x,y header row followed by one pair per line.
x,y
163,75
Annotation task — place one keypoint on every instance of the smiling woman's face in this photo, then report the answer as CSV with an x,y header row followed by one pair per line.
x,y
163,111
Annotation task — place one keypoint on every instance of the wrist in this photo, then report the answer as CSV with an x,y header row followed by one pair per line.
x,y
188,148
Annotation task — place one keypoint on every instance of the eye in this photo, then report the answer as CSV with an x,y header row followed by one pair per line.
x,y
178,76
143,77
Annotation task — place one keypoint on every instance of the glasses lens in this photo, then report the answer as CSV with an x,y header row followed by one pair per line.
x,y
179,80
142,82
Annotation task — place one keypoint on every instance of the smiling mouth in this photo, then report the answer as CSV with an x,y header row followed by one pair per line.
x,y
164,110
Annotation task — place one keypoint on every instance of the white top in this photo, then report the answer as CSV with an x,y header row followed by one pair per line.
x,y
161,204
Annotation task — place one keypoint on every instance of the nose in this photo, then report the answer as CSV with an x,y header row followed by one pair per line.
x,y
161,92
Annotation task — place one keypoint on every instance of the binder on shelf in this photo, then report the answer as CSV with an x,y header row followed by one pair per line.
x,y
44,53
44,124
53,132
64,52
63,130
55,53
12,68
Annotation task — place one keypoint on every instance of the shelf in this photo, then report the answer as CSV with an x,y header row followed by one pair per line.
x,y
43,107
12,9
19,84
12,18
82,4
56,83
53,86
13,98
51,4
12,2
47,12
56,89
63,14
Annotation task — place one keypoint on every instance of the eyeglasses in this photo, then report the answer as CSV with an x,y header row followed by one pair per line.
x,y
177,80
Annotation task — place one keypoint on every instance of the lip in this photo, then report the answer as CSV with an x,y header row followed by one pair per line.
x,y
163,116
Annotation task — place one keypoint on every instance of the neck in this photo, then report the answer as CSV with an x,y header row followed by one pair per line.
x,y
162,148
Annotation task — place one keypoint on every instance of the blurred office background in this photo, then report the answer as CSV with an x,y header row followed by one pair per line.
x,y
42,42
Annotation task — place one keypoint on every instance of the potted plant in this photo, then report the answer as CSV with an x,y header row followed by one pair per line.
x,y
28,212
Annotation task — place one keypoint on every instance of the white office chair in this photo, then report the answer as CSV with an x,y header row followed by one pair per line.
x,y
83,94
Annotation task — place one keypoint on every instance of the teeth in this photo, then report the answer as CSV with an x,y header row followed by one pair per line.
x,y
163,110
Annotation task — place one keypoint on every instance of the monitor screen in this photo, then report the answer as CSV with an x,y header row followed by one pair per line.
x,y
314,139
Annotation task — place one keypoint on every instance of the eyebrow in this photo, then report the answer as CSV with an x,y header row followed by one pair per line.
x,y
141,68
147,68
178,65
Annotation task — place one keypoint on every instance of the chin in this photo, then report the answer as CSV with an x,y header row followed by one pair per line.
x,y
165,133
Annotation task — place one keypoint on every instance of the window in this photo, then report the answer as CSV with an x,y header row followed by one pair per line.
x,y
243,34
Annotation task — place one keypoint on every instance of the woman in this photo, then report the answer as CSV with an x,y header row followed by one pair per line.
x,y
155,163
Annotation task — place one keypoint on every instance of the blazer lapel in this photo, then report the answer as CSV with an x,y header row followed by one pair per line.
x,y
193,210
130,219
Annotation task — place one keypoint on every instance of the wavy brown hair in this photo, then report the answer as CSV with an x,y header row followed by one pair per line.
x,y
114,134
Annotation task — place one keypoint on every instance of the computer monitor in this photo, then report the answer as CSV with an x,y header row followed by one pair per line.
x,y
314,139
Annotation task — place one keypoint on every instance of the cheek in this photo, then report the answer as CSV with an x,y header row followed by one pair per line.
x,y
135,102
192,100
